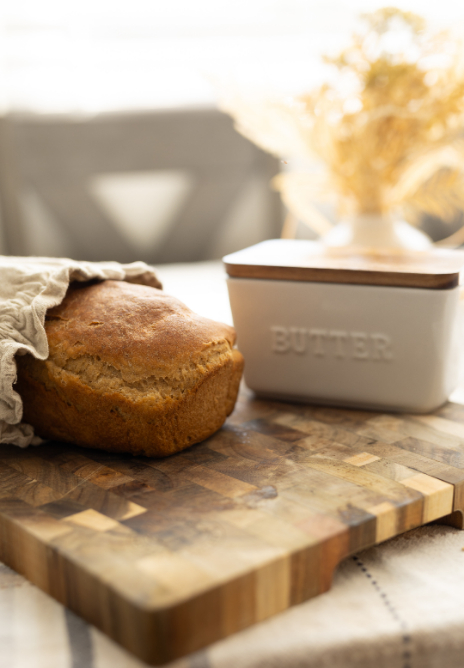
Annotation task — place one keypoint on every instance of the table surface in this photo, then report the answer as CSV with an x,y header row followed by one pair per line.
x,y
398,604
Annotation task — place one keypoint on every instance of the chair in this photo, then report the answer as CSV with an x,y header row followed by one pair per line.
x,y
55,171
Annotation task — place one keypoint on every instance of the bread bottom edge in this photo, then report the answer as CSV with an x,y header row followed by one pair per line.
x,y
75,414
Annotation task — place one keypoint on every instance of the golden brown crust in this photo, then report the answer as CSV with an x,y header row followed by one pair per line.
x,y
130,369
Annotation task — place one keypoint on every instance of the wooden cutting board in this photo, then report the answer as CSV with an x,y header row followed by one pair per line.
x,y
167,556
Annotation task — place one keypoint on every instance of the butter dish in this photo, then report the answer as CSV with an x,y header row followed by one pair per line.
x,y
339,326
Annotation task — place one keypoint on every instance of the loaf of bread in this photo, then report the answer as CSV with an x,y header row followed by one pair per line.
x,y
130,369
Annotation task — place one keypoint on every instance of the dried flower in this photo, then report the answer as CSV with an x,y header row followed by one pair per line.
x,y
388,130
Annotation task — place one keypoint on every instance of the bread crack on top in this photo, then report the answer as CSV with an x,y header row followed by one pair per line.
x,y
130,369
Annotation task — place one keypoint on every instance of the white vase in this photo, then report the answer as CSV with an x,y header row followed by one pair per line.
x,y
377,231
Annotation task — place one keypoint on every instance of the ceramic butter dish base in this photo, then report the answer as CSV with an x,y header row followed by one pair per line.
x,y
391,345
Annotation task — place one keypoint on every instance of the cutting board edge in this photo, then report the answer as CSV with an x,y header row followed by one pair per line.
x,y
58,575
69,583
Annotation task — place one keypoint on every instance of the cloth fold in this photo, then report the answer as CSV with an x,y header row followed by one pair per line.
x,y
28,287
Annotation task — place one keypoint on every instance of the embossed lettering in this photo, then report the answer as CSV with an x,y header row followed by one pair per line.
x,y
298,339
319,335
335,343
360,349
340,339
381,348
280,340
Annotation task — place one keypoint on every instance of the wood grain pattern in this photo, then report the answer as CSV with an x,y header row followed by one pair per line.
x,y
299,260
167,556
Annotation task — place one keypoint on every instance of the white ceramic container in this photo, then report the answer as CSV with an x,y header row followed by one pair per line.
x,y
370,346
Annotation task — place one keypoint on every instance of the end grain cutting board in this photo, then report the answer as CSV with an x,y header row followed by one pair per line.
x,y
166,556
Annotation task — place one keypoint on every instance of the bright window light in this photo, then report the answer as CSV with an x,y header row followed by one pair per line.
x,y
104,55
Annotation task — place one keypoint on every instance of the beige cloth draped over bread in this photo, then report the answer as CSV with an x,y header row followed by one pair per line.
x,y
28,287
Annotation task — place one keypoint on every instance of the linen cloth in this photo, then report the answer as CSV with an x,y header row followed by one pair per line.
x,y
28,287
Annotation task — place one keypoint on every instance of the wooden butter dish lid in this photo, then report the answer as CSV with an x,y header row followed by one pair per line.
x,y
301,260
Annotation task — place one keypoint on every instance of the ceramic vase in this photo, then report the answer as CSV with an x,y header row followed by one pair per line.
x,y
377,231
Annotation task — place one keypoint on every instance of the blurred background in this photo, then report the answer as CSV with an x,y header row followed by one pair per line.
x,y
111,144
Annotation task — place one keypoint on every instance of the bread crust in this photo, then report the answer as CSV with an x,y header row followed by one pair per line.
x,y
130,369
